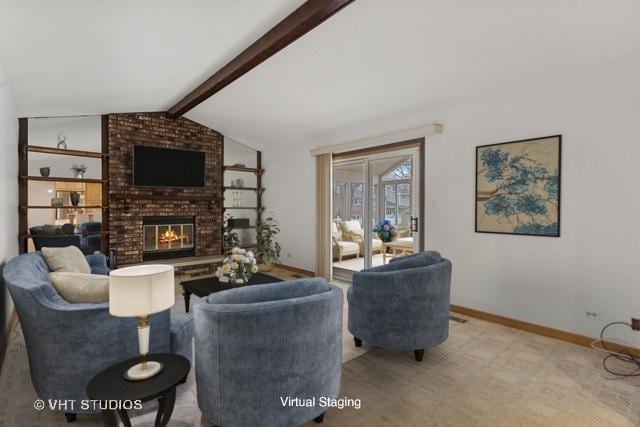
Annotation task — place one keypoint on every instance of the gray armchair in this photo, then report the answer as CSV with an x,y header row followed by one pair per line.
x,y
256,345
402,305
68,344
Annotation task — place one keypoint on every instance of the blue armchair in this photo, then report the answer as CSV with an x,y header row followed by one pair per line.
x,y
68,344
402,305
256,345
91,235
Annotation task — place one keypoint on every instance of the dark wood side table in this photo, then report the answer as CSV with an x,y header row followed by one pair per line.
x,y
110,386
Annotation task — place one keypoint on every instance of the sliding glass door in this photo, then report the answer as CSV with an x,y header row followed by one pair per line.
x,y
375,209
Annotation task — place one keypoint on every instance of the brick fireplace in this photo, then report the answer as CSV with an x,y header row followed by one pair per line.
x,y
131,209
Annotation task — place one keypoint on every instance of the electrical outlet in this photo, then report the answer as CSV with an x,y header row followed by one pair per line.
x,y
288,254
591,314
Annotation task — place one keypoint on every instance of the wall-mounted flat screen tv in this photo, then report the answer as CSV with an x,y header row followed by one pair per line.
x,y
167,167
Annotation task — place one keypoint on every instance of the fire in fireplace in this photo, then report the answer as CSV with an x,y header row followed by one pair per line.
x,y
168,237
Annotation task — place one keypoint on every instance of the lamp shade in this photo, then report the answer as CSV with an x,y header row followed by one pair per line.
x,y
141,290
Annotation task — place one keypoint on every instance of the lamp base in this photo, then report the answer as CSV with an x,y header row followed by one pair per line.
x,y
143,371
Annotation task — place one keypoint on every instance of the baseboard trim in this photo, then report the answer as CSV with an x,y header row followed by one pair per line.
x,y
13,319
295,269
538,329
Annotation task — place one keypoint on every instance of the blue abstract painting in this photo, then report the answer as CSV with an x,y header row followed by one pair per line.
x,y
518,187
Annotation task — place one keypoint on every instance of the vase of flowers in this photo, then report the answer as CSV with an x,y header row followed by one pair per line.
x,y
238,267
385,230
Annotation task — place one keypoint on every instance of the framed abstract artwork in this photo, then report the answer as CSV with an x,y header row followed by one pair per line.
x,y
518,187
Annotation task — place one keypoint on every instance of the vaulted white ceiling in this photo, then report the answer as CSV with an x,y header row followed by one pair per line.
x,y
375,67
79,56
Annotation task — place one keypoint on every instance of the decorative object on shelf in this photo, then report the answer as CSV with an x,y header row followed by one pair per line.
x,y
57,202
237,199
230,238
385,230
45,171
233,184
78,170
267,248
62,141
75,198
238,222
140,291
238,267
239,183
518,187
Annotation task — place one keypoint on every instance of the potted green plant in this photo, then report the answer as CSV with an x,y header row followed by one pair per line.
x,y
230,238
267,248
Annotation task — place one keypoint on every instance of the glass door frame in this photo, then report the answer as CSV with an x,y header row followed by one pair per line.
x,y
414,148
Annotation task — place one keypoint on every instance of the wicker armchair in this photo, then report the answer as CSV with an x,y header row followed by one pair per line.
x,y
353,232
341,246
404,235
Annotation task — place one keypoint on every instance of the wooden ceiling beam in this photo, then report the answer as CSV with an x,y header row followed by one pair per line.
x,y
304,19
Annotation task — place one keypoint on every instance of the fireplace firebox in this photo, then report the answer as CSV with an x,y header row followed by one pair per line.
x,y
168,237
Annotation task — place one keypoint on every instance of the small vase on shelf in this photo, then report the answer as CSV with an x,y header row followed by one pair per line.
x,y
75,198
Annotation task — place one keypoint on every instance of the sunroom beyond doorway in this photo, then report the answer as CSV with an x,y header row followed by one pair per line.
x,y
378,190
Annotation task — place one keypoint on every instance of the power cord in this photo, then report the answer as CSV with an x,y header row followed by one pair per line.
x,y
623,355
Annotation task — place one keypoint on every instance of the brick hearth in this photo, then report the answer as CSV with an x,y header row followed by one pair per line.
x,y
129,205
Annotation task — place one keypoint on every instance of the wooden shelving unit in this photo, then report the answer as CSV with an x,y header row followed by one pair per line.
x,y
230,208
258,189
244,188
24,178
63,179
76,153
257,170
65,207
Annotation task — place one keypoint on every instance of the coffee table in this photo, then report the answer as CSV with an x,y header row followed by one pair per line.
x,y
209,285
398,247
116,393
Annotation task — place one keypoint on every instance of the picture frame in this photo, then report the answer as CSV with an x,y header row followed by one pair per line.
x,y
518,187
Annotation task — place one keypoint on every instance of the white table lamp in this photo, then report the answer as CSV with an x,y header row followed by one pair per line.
x,y
140,291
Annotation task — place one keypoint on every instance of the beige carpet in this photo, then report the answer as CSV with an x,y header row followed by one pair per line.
x,y
483,375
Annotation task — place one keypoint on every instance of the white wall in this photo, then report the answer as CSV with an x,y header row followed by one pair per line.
x,y
594,265
8,193
290,194
549,281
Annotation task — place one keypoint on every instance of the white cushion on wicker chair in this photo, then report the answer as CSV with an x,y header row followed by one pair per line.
x,y
353,226
376,244
348,246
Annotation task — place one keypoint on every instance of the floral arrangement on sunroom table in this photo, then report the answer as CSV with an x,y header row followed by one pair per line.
x,y
238,267
385,230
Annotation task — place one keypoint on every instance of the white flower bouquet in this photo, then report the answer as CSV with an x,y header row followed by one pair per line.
x,y
238,267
